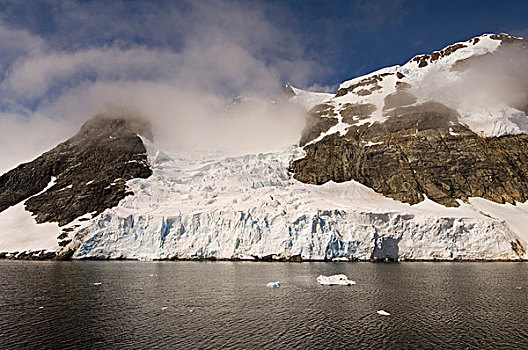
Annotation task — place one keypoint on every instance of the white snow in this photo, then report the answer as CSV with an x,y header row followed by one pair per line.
x,y
341,259
385,70
515,217
334,280
370,143
20,232
308,99
496,120
273,284
249,206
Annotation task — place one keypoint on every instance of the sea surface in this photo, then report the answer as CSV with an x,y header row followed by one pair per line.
x,y
226,305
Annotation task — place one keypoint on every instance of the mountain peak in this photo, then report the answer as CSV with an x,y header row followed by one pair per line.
x,y
109,123
87,172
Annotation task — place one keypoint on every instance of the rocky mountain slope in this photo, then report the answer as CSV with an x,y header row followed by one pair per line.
x,y
395,165
382,132
82,176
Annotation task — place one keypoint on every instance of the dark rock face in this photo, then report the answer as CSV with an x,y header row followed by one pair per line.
x,y
353,112
424,60
90,169
370,82
421,150
399,99
320,119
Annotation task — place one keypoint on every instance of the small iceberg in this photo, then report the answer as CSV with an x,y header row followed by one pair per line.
x,y
98,283
273,284
335,280
340,259
383,313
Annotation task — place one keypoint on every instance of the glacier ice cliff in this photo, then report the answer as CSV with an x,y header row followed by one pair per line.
x,y
251,207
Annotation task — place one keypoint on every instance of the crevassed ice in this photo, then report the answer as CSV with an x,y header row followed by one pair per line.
x,y
251,207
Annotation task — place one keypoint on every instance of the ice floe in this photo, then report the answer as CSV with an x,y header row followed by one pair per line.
x,y
341,280
273,284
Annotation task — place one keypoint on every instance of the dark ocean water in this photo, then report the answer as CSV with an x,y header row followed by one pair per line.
x,y
197,305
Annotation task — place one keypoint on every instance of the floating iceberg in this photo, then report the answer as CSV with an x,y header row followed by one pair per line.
x,y
340,259
341,280
383,313
273,284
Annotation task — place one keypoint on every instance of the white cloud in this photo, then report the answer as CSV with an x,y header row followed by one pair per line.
x,y
16,43
49,89
33,76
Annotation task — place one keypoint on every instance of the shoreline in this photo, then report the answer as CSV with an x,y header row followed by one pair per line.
x,y
52,256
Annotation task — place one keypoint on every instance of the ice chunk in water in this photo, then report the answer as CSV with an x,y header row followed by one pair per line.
x,y
273,284
341,280
383,312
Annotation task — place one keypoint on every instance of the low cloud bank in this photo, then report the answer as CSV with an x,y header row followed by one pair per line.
x,y
220,50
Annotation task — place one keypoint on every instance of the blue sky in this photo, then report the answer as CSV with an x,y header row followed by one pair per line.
x,y
62,61
342,38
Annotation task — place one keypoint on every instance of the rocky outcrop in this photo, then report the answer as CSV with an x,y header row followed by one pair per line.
x,y
353,112
90,171
424,60
421,150
365,86
399,98
320,119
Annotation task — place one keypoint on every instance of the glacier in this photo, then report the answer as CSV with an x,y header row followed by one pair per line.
x,y
250,207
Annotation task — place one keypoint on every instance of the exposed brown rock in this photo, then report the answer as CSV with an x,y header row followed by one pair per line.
x,y
320,119
506,38
401,85
357,110
373,80
363,92
419,156
422,60
399,99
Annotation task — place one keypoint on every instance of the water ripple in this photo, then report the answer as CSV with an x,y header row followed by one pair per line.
x,y
210,305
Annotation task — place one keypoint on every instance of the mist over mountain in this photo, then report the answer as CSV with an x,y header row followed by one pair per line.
x,y
419,161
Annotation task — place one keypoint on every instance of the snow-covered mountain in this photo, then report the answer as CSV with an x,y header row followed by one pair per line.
x,y
407,162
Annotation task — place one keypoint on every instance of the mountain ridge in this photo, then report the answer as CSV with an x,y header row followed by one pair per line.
x,y
382,172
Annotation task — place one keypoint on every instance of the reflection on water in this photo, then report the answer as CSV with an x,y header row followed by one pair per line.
x,y
91,304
